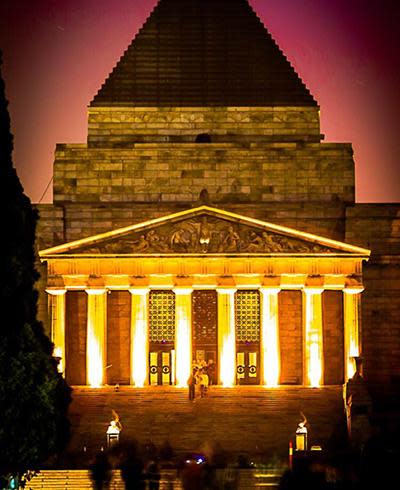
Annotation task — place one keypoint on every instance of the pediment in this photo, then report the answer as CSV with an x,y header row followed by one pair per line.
x,y
203,230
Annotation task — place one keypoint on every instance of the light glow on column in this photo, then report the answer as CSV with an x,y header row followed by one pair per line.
x,y
313,336
57,316
270,349
183,336
139,337
352,298
226,337
96,337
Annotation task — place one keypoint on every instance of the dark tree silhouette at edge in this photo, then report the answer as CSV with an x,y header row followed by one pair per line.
x,y
34,397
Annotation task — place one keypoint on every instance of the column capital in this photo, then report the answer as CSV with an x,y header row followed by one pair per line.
x,y
354,290
56,291
182,291
230,291
312,290
270,290
97,292
139,291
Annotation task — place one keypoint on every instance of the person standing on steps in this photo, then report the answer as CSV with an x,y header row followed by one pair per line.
x,y
192,384
211,372
203,383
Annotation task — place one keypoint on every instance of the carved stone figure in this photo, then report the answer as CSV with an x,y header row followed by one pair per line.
x,y
231,241
156,242
256,243
270,245
180,240
204,234
142,244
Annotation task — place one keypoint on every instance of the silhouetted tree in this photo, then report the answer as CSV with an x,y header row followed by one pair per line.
x,y
34,397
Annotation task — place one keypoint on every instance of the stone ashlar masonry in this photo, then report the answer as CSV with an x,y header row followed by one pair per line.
x,y
377,226
109,126
168,172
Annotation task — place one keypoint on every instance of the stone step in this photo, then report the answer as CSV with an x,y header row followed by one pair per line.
x,y
170,480
242,419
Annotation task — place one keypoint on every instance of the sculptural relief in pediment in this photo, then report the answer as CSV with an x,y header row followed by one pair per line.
x,y
203,234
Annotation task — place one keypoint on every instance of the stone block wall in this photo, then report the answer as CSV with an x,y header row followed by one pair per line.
x,y
377,226
381,323
123,126
247,173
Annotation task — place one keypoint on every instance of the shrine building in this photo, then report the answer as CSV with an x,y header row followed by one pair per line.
x,y
206,219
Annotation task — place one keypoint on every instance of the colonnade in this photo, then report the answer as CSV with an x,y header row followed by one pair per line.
x,y
269,334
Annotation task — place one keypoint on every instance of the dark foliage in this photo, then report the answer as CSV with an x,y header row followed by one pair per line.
x,y
34,398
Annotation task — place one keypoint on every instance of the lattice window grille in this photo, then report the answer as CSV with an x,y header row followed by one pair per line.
x,y
162,316
247,314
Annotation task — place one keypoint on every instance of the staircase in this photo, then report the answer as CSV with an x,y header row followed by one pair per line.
x,y
80,480
244,419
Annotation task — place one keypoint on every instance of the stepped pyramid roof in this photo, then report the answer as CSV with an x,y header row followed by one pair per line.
x,y
203,53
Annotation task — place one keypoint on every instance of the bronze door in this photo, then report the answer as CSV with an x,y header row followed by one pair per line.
x,y
247,366
160,367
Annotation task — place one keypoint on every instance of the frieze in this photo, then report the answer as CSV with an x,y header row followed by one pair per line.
x,y
204,235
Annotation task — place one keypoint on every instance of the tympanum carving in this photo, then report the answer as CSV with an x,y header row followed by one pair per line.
x,y
204,234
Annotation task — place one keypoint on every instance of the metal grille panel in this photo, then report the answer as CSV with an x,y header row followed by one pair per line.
x,y
247,314
162,316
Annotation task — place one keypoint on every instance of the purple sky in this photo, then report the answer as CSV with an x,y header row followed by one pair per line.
x,y
57,54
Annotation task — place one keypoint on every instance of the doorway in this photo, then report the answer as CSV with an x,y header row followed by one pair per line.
x,y
161,365
204,331
247,365
247,325
161,337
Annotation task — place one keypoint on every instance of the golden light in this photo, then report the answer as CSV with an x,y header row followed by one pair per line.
x,y
96,337
58,353
313,336
57,315
183,337
226,336
173,363
351,298
270,337
227,361
315,371
139,334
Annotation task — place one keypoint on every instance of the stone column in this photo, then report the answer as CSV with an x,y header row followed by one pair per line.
x,y
183,335
313,346
139,336
352,305
226,337
96,337
269,341
57,322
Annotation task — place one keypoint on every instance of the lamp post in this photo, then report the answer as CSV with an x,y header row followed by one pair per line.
x,y
301,438
301,435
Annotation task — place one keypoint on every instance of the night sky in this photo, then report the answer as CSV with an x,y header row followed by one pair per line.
x,y
57,54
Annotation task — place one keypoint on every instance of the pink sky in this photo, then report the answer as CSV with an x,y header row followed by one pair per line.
x,y
58,53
